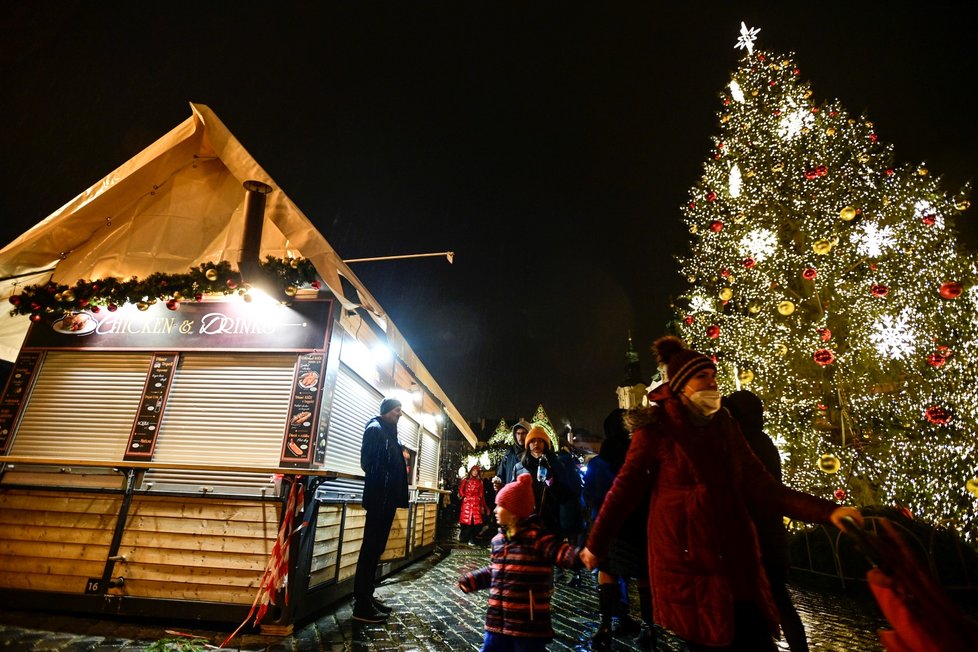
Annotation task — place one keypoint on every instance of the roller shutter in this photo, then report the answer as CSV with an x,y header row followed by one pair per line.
x,y
428,460
354,404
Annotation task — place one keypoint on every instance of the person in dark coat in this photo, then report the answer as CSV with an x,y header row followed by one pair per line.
x,y
550,485
572,507
505,472
689,458
626,557
748,410
385,489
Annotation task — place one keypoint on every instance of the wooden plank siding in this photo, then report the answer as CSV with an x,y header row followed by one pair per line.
x,y
196,548
54,541
326,545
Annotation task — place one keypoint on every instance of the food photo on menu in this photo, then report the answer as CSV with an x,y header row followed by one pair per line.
x,y
75,323
308,380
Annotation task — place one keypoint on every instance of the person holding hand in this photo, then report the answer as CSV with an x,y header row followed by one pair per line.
x,y
689,461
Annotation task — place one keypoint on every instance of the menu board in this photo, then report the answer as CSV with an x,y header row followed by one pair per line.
x,y
304,411
142,441
13,398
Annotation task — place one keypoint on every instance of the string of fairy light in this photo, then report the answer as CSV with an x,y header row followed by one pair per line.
x,y
829,280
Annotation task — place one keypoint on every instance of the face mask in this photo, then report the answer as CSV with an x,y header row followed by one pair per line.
x,y
706,401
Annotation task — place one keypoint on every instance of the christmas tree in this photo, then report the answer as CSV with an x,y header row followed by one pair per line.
x,y
830,282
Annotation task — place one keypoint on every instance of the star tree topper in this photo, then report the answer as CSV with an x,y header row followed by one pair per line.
x,y
747,37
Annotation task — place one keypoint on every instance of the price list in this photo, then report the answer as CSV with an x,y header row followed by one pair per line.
x,y
142,441
303,414
17,389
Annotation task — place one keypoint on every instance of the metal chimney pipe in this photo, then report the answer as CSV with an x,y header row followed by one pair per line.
x,y
254,216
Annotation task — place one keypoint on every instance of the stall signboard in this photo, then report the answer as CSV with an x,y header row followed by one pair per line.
x,y
213,326
297,450
142,441
21,378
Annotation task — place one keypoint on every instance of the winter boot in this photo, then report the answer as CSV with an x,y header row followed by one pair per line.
x,y
607,599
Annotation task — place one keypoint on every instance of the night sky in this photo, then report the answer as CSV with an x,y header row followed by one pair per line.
x,y
548,144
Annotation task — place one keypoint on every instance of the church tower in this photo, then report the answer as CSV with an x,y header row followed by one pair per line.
x,y
632,389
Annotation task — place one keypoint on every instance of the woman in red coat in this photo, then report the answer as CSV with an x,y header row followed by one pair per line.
x,y
472,493
690,463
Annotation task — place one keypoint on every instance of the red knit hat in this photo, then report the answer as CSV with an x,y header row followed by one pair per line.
x,y
517,497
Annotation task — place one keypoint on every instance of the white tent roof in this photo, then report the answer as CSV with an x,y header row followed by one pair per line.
x,y
178,204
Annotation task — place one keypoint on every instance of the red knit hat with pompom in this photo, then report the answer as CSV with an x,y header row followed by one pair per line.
x,y
517,497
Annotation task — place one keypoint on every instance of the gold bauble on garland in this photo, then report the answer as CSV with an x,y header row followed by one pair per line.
x,y
822,246
211,274
829,463
746,376
786,307
848,213
726,294
972,486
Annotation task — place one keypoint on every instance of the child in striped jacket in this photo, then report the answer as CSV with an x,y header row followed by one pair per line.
x,y
520,574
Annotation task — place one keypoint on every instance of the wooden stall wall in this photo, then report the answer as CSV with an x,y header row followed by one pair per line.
x,y
200,549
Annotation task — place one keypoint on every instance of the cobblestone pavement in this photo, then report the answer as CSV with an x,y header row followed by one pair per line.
x,y
430,614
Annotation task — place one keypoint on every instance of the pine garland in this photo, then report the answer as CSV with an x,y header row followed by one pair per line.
x,y
52,300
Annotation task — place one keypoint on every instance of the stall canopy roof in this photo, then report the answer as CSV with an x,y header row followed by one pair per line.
x,y
178,204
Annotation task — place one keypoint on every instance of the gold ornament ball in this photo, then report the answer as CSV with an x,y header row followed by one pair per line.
x,y
848,213
291,290
830,131
829,463
211,274
294,264
864,158
694,229
962,205
923,172
786,307
777,167
754,308
142,306
68,296
822,246
739,217
807,94
746,376
972,486
726,294
691,279
178,296
724,119
782,349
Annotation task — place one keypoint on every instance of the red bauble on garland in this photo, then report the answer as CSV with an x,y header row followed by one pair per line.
x,y
937,415
809,274
880,290
725,273
749,263
825,334
839,494
936,359
823,357
713,331
712,196
688,320
928,220
716,226
950,290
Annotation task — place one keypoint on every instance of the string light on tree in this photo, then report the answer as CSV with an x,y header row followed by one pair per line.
x,y
851,278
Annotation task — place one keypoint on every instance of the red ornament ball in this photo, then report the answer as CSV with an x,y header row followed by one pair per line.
x,y
879,290
198,297
951,290
111,307
796,71
231,283
821,170
810,174
809,274
725,273
713,331
889,172
692,205
316,285
688,320
96,309
35,317
712,196
825,334
873,138
839,494
929,220
716,226
173,304
814,109
14,299
937,415
749,262
777,112
936,360
823,357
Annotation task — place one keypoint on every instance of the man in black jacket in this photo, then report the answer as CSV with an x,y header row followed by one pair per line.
x,y
507,466
385,488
